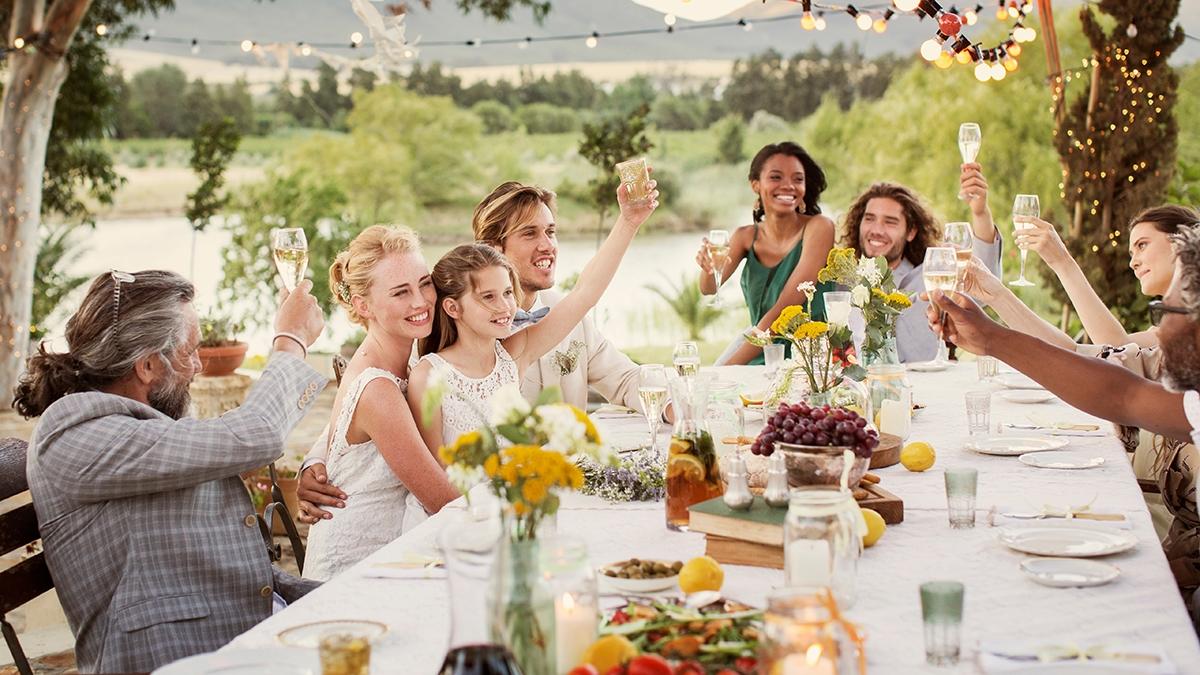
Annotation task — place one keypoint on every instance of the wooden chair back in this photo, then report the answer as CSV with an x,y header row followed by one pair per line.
x,y
29,578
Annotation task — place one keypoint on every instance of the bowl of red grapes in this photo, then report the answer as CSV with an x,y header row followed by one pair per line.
x,y
813,441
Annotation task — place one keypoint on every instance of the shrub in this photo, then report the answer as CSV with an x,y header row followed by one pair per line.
x,y
543,118
731,139
496,117
763,121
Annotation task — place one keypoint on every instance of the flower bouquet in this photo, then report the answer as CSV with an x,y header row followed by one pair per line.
x,y
524,453
872,290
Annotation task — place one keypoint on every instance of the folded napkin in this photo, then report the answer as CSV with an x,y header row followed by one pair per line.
x,y
997,517
1059,429
1023,656
613,410
411,566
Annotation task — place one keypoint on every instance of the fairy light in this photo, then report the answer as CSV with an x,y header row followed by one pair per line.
x,y
944,60
998,71
247,45
983,72
821,21
881,24
931,50
807,22
101,30
356,38
669,19
592,40
971,16
906,5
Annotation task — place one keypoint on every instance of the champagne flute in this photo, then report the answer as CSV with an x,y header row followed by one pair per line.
x,y
652,390
718,254
961,238
940,272
1024,207
686,359
969,140
289,247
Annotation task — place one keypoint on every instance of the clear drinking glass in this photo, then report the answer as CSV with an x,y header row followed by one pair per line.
x,y
344,653
773,356
718,255
1024,207
686,358
837,307
960,497
635,175
289,248
979,412
987,367
652,390
969,140
941,610
940,272
961,238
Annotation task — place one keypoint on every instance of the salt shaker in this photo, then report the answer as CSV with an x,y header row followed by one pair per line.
x,y
737,485
777,493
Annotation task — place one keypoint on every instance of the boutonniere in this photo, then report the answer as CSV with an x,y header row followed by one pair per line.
x,y
568,360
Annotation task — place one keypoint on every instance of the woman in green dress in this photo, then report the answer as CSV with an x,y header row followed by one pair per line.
x,y
786,245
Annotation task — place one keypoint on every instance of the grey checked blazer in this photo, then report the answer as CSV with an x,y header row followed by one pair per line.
x,y
148,531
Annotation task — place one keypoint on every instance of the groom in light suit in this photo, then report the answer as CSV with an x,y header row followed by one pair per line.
x,y
149,533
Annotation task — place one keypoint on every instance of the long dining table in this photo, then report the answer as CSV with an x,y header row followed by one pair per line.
x,y
1142,605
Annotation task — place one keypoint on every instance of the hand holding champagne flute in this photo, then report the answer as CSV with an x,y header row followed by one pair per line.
x,y
717,244
1024,208
960,237
289,247
969,139
940,271
652,391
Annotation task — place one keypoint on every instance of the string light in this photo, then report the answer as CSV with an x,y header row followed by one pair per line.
x,y
356,38
592,40
669,19
983,72
906,5
820,20
807,22
931,49
247,45
881,23
971,16
101,30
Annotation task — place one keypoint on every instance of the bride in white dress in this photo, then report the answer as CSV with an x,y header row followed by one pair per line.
x,y
472,343
376,454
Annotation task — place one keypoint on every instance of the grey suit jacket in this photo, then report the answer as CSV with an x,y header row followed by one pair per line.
x,y
148,531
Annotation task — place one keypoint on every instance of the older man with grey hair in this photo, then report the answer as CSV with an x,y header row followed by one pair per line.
x,y
148,531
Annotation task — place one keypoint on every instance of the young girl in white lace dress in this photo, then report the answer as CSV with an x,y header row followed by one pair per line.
x,y
472,342
375,452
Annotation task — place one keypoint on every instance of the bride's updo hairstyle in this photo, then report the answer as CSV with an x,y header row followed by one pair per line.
x,y
351,272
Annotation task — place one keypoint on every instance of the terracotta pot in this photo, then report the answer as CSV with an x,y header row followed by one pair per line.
x,y
218,361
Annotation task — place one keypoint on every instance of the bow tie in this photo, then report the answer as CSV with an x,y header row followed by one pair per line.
x,y
522,318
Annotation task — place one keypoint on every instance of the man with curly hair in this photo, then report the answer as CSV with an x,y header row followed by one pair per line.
x,y
892,221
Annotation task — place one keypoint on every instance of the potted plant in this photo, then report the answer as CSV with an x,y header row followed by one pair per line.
x,y
221,352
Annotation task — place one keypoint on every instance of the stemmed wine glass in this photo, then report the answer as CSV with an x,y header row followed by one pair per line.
x,y
718,255
969,140
940,272
289,248
686,358
652,390
1024,208
961,238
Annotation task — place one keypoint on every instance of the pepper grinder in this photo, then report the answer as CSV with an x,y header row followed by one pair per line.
x,y
737,485
777,493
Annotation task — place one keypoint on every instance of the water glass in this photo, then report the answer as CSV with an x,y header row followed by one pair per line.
x,y
941,610
987,367
344,653
773,356
979,412
635,175
960,497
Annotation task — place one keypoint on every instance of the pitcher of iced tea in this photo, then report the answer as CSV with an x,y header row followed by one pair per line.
x,y
693,472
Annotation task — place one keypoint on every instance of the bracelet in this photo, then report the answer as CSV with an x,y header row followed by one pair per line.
x,y
294,338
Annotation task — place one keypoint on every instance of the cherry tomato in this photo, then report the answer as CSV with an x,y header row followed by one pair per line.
x,y
689,668
585,669
616,670
649,664
746,664
619,617
726,671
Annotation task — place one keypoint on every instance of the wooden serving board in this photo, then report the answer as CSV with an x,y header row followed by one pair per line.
x,y
887,452
885,503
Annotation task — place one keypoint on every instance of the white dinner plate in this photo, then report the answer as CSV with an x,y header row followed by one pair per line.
x,y
309,634
1027,396
281,660
1069,572
639,585
928,366
1016,381
1067,540
1062,459
1013,446
1069,668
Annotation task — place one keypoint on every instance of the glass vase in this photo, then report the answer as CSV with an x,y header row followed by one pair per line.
x,y
891,399
887,353
520,603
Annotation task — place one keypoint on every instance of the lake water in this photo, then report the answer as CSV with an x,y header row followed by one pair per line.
x,y
629,314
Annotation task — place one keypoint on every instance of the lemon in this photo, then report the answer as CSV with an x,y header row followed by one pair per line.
x,y
609,652
701,574
679,447
687,466
875,527
752,399
917,456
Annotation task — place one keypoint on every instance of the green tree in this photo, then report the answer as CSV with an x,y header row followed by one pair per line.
x,y
198,107
327,101
1118,142
632,94
213,147
496,117
689,306
678,113
157,94
235,102
544,118
606,143
431,81
61,248
731,139
364,80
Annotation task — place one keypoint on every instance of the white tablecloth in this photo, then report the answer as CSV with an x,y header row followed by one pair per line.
x,y
1142,605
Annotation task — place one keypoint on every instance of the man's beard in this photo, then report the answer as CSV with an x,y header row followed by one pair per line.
x,y
171,397
1181,361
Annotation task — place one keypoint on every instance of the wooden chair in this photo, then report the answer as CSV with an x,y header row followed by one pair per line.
x,y
18,528
266,523
339,367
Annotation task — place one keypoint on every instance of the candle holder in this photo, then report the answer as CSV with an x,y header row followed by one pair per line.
x,y
804,632
572,582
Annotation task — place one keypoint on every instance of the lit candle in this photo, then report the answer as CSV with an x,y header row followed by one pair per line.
x,y
574,630
813,661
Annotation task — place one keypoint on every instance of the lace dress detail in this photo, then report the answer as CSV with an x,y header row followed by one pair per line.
x,y
379,507
468,396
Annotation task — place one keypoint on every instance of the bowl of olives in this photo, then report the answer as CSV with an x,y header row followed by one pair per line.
x,y
637,575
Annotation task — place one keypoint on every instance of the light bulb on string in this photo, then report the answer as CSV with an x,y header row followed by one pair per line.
x,y
983,72
669,19
1001,12
906,5
19,43
821,21
998,71
1015,50
305,50
963,57
971,16
356,38
880,25
101,30
592,40
1013,12
807,22
1010,64
930,49
1131,30
195,46
247,45
863,21
944,60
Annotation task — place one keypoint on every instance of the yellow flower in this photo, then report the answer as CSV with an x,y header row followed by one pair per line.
x,y
491,465
840,265
898,299
520,508
589,428
447,455
534,491
783,324
812,329
878,292
574,477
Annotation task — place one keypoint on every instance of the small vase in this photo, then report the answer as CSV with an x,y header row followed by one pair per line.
x,y
520,605
886,354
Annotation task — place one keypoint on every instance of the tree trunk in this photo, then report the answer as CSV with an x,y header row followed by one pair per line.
x,y
35,76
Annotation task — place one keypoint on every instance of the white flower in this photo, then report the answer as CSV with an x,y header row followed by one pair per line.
x,y
508,405
465,477
563,432
860,295
808,288
868,270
